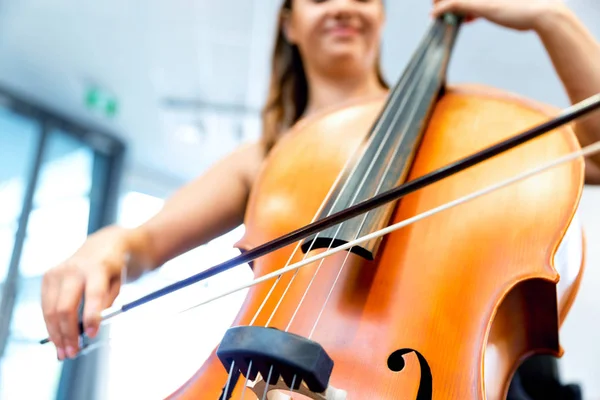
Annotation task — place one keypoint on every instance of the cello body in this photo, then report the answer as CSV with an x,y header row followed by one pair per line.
x,y
451,304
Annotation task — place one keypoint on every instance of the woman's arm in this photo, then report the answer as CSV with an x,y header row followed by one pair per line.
x,y
209,206
576,57
206,208
574,52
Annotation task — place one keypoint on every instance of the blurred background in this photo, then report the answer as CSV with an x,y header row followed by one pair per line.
x,y
108,107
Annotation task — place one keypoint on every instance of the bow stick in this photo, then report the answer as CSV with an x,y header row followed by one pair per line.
x,y
568,115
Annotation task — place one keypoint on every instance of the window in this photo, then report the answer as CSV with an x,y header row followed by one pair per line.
x,y
56,186
18,145
58,223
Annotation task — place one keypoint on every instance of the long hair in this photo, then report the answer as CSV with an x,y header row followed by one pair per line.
x,y
288,89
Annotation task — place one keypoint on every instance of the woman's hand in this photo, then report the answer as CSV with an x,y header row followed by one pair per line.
x,y
515,14
573,50
96,269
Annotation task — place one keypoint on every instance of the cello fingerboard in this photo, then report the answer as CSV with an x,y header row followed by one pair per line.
x,y
391,145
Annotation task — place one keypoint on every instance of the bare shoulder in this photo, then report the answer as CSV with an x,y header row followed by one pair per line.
x,y
249,158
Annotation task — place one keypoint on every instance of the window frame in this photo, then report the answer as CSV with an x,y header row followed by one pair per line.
x,y
109,153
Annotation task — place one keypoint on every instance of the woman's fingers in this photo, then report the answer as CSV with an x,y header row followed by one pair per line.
x,y
67,311
463,7
62,292
50,289
454,6
93,271
96,299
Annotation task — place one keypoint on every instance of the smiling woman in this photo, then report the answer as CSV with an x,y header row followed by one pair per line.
x,y
325,91
340,57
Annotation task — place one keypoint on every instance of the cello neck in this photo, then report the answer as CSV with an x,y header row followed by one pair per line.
x,y
392,142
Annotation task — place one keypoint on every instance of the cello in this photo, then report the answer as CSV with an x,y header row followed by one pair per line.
x,y
444,308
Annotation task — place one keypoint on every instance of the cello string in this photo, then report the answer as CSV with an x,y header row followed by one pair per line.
x,y
408,78
292,385
228,382
267,383
586,151
431,63
246,382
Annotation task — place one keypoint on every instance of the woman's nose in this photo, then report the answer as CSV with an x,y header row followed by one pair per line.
x,y
342,8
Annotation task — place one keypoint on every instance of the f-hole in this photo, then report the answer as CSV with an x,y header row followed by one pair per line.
x,y
395,363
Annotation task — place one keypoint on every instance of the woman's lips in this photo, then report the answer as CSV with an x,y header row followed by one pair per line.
x,y
343,31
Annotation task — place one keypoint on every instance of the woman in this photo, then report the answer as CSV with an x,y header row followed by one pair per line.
x,y
337,54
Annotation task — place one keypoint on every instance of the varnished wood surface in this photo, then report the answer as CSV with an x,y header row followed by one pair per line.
x,y
472,289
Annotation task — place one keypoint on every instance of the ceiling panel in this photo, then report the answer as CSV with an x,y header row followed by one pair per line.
x,y
201,51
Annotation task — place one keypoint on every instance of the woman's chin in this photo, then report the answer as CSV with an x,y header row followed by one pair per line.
x,y
344,60
344,50
343,54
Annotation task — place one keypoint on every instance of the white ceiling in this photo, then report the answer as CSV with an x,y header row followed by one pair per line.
x,y
215,52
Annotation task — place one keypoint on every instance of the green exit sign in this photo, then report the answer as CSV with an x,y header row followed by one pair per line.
x,y
99,100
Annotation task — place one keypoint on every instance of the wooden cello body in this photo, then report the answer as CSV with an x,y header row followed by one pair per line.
x,y
450,305
472,290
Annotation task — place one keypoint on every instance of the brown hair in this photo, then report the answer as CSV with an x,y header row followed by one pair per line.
x,y
288,88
